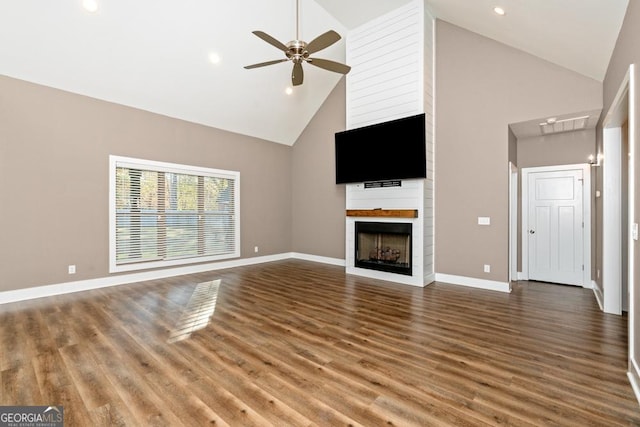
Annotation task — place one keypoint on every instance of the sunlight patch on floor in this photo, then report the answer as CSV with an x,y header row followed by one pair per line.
x,y
199,310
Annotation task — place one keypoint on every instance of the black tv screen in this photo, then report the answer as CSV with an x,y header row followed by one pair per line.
x,y
391,150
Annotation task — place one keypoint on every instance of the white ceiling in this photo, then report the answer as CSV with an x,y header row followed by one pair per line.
x,y
154,54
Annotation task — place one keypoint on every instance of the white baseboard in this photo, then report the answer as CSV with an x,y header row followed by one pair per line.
x,y
491,285
599,296
103,282
429,279
634,378
317,258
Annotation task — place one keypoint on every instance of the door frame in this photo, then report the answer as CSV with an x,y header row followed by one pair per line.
x,y
612,221
586,206
625,105
610,297
513,222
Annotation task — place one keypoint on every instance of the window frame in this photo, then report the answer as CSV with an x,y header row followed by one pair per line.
x,y
151,165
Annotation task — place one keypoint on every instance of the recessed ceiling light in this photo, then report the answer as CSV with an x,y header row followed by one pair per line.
x,y
499,11
214,58
288,90
90,6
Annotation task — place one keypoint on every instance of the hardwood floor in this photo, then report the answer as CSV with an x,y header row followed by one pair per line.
x,y
296,343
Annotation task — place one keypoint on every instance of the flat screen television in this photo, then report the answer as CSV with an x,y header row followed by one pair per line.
x,y
392,150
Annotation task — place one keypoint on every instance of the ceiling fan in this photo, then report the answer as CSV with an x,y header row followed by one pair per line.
x,y
298,52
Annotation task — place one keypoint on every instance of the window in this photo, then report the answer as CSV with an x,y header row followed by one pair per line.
x,y
164,214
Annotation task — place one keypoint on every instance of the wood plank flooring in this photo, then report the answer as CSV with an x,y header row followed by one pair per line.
x,y
296,343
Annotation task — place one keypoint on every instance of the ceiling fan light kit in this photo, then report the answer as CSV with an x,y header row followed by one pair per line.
x,y
298,51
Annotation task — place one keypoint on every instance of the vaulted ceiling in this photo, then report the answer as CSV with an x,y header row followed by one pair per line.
x,y
157,55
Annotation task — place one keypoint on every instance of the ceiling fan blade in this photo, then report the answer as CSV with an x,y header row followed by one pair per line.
x,y
326,64
273,42
323,41
264,64
297,75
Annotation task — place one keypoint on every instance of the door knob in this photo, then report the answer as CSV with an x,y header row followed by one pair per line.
x,y
532,231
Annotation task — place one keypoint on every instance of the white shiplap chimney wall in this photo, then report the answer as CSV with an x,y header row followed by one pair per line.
x,y
386,55
392,60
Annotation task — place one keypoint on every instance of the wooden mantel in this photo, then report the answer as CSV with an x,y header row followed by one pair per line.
x,y
387,213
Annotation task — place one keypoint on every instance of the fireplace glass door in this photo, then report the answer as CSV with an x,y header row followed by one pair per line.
x,y
383,246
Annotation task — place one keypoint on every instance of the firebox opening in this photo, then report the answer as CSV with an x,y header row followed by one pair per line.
x,y
383,246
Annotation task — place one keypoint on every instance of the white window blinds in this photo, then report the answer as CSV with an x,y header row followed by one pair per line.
x,y
165,214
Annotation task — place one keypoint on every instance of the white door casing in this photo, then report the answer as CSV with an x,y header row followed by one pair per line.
x,y
612,259
513,222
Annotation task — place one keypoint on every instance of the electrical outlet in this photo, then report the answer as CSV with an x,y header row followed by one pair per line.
x,y
72,269
484,220
255,249
487,268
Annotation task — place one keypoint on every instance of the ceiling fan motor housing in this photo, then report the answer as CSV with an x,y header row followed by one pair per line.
x,y
297,51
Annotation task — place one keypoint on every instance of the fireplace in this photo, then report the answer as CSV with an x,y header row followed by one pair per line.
x,y
383,246
387,216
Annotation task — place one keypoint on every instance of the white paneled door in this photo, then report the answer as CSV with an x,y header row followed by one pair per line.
x,y
555,229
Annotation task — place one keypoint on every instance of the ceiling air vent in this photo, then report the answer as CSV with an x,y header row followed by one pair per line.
x,y
565,125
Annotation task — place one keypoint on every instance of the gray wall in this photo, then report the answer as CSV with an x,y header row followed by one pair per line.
x,y
54,149
513,148
558,149
626,52
318,208
482,86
